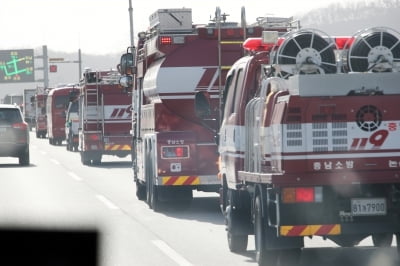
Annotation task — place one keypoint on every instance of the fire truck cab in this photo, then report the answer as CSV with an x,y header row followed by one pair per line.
x,y
309,142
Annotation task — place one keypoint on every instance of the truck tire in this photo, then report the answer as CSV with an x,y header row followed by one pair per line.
x,y
235,221
85,158
140,190
96,160
151,189
264,256
237,243
382,240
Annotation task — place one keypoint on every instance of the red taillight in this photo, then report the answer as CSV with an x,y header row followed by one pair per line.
x,y
179,151
302,194
22,126
169,152
93,137
166,40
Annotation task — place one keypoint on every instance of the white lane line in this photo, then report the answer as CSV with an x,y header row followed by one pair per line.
x,y
107,202
74,176
175,256
55,161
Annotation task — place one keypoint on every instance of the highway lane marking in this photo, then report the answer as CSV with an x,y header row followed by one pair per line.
x,y
167,250
74,176
107,202
55,161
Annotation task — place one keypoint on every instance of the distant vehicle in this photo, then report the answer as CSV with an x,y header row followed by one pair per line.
x,y
16,99
40,112
72,126
29,107
56,107
104,117
14,134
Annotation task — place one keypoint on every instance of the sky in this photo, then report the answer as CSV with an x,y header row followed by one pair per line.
x,y
102,26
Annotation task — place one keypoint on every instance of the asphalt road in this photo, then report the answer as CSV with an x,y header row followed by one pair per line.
x,y
57,193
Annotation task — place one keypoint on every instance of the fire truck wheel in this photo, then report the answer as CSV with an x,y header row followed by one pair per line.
x,y
382,240
84,158
151,189
140,190
235,221
263,255
96,160
237,243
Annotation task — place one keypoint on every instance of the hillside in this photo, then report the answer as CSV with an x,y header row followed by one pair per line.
x,y
346,19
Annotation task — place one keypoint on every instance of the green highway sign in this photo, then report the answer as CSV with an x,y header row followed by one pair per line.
x,y
16,66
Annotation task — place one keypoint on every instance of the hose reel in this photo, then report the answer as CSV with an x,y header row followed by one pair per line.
x,y
306,52
374,50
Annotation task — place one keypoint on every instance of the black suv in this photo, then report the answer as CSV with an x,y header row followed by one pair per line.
x,y
14,134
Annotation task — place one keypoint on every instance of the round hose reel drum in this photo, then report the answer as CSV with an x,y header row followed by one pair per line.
x,y
374,50
306,52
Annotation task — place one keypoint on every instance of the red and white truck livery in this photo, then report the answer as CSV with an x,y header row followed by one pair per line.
x,y
56,107
104,117
309,142
175,151
40,112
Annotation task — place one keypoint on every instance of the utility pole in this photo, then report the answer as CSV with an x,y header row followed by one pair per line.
x,y
131,22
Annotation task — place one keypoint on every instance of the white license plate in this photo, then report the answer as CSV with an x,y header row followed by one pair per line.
x,y
370,206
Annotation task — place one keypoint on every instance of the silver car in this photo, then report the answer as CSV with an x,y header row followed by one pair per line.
x,y
14,134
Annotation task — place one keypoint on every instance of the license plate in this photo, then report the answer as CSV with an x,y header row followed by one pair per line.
x,y
370,206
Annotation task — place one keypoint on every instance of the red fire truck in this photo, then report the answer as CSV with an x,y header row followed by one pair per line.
x,y
56,107
175,151
40,112
104,117
309,142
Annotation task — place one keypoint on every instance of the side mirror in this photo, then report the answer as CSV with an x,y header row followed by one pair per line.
x,y
126,81
126,64
202,105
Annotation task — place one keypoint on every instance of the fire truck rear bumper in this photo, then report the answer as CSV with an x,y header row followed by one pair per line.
x,y
339,229
189,180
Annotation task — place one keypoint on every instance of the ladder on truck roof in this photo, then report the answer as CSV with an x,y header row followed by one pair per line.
x,y
93,112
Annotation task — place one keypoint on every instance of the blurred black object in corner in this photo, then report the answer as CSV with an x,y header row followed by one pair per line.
x,y
48,247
